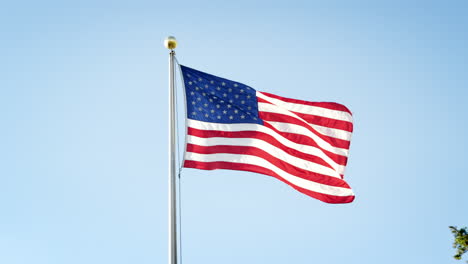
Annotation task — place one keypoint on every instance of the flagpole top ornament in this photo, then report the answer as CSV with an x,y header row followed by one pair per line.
x,y
170,42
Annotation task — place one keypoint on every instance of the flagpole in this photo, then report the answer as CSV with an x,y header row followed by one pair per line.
x,y
171,43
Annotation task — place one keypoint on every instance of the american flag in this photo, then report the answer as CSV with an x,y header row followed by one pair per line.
x,y
232,126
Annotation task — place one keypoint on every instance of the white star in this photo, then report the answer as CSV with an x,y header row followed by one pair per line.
x,y
236,111
200,79
254,118
242,102
218,106
194,113
229,90
199,99
211,100
212,82
218,88
204,94
212,111
196,88
212,92
206,85
228,106
205,104
188,75
219,117
236,96
248,96
249,107
223,84
193,102
231,117
231,101
190,83
242,116
225,95
206,115
199,108
241,90
224,112
192,93
235,85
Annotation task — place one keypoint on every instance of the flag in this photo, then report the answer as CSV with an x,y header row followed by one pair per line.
x,y
232,126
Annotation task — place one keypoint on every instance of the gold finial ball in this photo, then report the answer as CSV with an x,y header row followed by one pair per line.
x,y
170,42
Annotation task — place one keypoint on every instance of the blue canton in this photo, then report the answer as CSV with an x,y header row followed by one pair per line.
x,y
218,100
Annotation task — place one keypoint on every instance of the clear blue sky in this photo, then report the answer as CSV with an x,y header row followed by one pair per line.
x,y
83,139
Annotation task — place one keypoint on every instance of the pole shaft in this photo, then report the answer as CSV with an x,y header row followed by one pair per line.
x,y
172,165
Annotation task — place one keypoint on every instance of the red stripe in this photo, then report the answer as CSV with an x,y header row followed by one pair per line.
x,y
262,136
320,120
327,105
326,122
305,140
257,169
281,164
275,117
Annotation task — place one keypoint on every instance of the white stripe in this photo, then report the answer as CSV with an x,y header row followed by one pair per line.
x,y
265,146
336,133
308,109
255,127
257,161
298,129
333,132
326,131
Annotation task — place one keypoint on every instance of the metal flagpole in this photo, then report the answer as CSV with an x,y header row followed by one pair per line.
x,y
171,43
